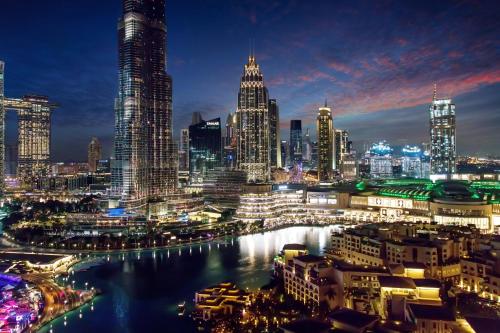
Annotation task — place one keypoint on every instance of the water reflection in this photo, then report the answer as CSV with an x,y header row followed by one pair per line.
x,y
141,291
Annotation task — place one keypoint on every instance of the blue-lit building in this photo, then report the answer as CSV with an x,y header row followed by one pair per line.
x,y
411,161
380,159
205,148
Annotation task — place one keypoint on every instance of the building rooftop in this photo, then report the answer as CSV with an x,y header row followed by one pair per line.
x,y
427,283
396,282
432,312
306,326
294,247
352,318
309,258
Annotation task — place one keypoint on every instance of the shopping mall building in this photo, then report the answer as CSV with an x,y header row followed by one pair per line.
x,y
413,200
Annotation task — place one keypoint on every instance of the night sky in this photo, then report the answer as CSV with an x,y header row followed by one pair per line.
x,y
375,61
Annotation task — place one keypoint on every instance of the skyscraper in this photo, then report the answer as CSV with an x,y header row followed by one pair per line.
x,y
94,154
285,153
411,161
184,150
307,149
295,142
342,147
253,124
205,148
324,125
230,142
2,128
33,139
145,164
274,134
442,130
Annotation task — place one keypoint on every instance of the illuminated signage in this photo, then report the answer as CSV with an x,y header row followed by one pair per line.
x,y
390,202
212,123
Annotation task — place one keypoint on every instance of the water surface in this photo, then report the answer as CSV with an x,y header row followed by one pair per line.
x,y
141,290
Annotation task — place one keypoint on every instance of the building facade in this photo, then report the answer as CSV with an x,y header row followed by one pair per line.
x,y
380,157
145,164
324,126
253,124
205,148
342,147
94,154
274,134
33,140
443,136
412,162
295,142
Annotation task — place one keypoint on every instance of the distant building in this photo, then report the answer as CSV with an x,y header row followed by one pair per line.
x,y
94,154
184,150
380,157
285,153
307,148
324,125
33,140
342,147
205,148
443,136
253,124
295,142
230,142
412,161
274,134
11,160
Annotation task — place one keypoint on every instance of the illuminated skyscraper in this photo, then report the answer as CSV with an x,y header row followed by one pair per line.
x,y
324,126
412,161
33,140
442,130
295,142
184,150
94,154
2,128
307,148
230,142
253,124
274,134
342,147
380,157
145,164
285,153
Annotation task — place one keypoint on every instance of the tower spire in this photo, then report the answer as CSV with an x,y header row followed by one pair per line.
x,y
326,102
434,95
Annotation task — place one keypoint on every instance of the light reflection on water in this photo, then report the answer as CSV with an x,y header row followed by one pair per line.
x,y
142,289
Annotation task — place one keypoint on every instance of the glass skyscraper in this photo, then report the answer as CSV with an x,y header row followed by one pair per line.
x,y
145,163
274,134
443,141
205,148
324,127
253,124
295,142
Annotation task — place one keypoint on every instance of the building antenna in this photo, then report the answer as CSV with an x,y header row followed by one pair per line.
x,y
434,95
326,102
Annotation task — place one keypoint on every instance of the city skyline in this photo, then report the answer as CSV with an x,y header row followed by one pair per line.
x,y
389,77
